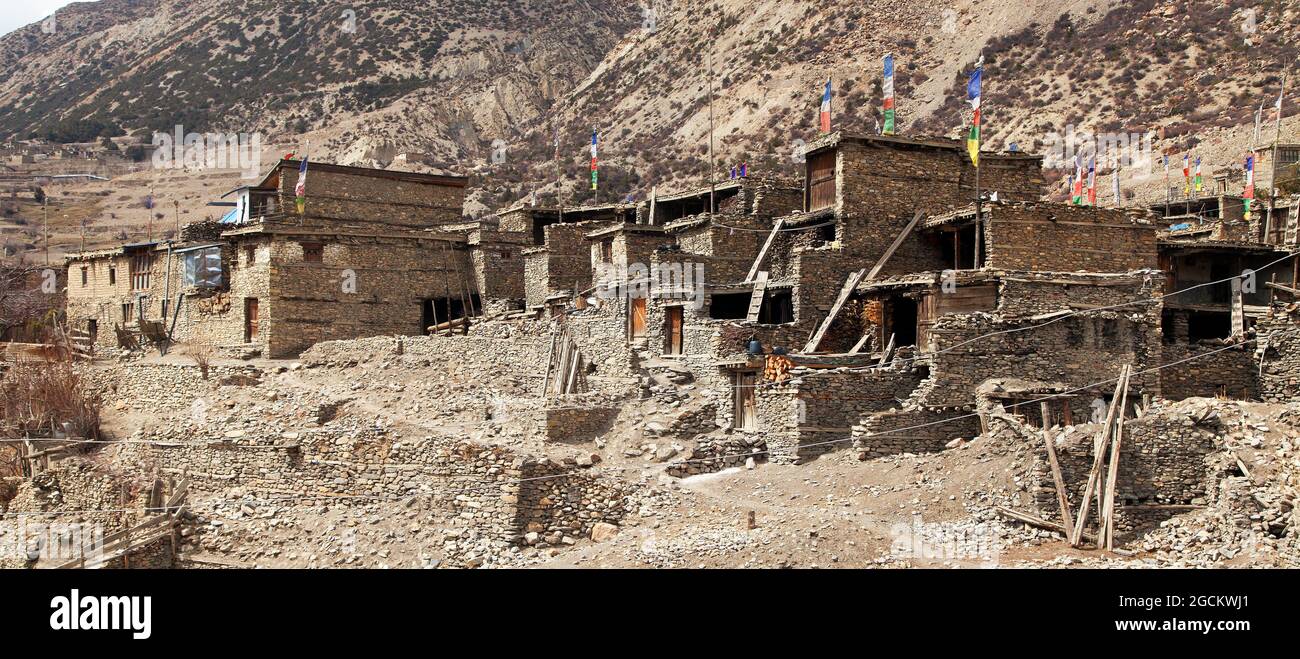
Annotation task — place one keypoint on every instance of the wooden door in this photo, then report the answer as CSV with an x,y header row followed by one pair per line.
x,y
250,320
674,330
821,181
636,311
746,407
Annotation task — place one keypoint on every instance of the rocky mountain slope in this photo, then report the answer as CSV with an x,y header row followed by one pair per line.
x,y
383,76
489,87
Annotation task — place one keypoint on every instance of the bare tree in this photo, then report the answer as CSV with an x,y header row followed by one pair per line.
x,y
30,302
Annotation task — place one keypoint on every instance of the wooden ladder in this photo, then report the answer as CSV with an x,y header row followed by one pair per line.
x,y
854,279
762,253
756,300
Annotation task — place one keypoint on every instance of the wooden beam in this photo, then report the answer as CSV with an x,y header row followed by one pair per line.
x,y
1062,499
1112,475
1099,453
1037,521
762,253
756,298
884,258
1280,287
850,285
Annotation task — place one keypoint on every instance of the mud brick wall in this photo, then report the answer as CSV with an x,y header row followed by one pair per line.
x,y
1062,238
1233,373
816,407
392,276
1279,349
109,286
338,199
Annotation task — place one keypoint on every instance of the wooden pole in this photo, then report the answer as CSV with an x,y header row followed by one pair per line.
x,y
1108,531
713,166
45,208
1062,499
1098,454
550,359
1277,137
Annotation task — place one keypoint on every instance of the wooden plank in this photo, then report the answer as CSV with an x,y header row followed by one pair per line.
x,y
1037,521
850,284
550,362
762,253
862,342
1238,310
888,354
1062,499
884,258
1108,514
181,490
1099,453
756,299
573,371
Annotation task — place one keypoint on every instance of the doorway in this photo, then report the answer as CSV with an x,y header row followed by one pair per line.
x,y
250,320
674,330
746,412
636,317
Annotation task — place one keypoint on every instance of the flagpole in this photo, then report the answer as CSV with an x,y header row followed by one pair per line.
x,y
979,164
1166,186
713,185
1277,136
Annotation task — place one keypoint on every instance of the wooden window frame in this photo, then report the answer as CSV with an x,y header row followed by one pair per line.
x,y
141,266
310,250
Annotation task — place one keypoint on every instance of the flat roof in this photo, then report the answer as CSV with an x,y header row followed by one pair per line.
x,y
412,177
832,140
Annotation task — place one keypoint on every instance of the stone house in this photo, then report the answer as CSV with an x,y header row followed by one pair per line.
x,y
371,254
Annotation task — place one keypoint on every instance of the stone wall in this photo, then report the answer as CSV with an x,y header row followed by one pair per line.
x,y
882,183
1063,238
1163,462
1078,351
818,407
341,197
578,423
520,356
1210,371
489,489
912,430
1279,355
363,287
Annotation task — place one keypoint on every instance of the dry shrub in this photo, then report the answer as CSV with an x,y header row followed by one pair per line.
x,y
202,354
39,398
